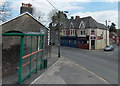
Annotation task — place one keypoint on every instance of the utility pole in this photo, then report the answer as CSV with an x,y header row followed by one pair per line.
x,y
59,34
106,31
59,20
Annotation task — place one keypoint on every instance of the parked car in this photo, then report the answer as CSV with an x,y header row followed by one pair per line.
x,y
109,48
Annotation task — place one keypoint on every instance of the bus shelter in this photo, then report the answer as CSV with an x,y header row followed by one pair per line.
x,y
31,53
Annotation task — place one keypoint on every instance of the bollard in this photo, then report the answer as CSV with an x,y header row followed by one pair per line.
x,y
45,63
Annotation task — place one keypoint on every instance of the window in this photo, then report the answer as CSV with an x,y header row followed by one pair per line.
x,y
64,32
70,32
82,26
82,32
73,32
92,32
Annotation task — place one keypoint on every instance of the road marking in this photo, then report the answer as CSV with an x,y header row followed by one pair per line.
x,y
45,71
106,82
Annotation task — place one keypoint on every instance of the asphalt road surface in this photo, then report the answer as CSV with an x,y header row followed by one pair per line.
x,y
104,64
66,71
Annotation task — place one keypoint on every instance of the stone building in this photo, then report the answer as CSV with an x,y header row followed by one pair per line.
x,y
23,23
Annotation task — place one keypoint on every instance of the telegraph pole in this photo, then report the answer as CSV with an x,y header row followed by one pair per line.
x,y
106,31
59,18
59,34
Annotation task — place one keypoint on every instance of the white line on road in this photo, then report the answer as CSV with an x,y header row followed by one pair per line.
x,y
45,72
106,82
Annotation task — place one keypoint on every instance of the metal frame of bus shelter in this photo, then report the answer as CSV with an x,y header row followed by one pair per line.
x,y
43,62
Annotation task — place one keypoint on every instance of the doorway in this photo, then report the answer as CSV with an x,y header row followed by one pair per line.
x,y
92,44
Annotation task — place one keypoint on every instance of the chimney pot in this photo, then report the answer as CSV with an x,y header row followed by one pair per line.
x,y
77,17
26,5
29,5
26,8
22,4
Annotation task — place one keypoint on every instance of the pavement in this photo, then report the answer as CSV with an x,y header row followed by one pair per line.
x,y
0,63
65,71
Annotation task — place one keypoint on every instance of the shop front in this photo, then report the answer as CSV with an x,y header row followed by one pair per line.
x,y
83,42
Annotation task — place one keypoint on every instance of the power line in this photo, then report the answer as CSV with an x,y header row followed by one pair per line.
x,y
52,5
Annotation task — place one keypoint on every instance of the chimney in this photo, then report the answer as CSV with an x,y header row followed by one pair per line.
x,y
26,8
77,17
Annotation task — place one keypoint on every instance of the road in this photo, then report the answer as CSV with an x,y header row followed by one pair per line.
x,y
103,64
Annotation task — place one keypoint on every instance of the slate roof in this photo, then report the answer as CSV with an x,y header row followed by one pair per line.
x,y
89,22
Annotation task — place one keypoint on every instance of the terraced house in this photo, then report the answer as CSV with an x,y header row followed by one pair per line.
x,y
84,33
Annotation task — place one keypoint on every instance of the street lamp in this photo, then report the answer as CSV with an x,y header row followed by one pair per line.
x,y
59,31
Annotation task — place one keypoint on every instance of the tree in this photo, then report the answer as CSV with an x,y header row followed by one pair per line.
x,y
112,28
5,11
58,19
51,14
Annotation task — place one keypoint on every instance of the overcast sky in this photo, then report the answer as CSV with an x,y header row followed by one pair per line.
x,y
100,10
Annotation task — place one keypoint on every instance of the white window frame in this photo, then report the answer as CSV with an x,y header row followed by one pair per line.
x,y
63,32
72,32
81,32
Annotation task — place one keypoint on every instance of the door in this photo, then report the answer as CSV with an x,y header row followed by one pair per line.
x,y
92,44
